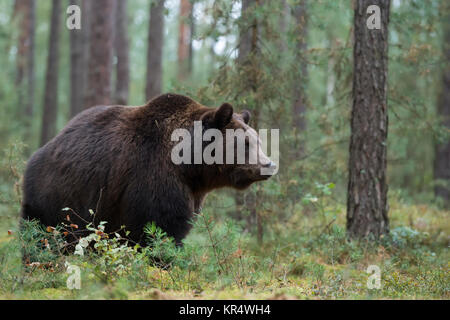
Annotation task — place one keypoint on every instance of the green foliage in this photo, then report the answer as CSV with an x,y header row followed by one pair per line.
x,y
161,250
38,245
307,259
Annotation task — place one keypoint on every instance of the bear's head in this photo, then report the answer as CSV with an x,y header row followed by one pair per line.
x,y
226,151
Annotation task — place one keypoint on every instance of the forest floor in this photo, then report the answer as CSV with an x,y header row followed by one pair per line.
x,y
220,262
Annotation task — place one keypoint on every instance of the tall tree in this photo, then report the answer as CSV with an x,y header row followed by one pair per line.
x,y
367,207
25,14
245,33
245,47
155,50
31,61
248,48
79,46
122,48
248,61
86,20
191,38
184,37
442,148
100,53
51,80
299,105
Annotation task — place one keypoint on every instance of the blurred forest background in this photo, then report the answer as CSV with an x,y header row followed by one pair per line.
x,y
291,63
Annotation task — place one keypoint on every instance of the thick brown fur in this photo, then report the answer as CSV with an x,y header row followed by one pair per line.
x,y
116,160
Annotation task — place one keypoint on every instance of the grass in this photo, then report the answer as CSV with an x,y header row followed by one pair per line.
x,y
305,254
224,263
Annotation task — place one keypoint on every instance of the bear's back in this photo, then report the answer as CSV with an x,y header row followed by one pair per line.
x,y
72,168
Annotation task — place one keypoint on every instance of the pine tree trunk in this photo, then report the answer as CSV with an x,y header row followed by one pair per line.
x,y
248,60
245,34
30,64
191,38
245,45
331,76
100,54
244,51
21,10
86,21
367,207
24,14
155,49
299,105
78,62
442,148
51,80
253,84
184,36
122,47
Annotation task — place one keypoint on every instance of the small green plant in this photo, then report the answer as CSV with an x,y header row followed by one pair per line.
x,y
224,257
40,245
405,236
161,249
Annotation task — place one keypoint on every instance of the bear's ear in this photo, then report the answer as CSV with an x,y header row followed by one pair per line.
x,y
223,115
246,116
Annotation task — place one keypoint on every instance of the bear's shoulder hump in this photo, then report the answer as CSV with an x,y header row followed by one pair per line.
x,y
170,101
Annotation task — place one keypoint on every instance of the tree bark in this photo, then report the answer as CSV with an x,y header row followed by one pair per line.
x,y
155,50
86,20
245,33
31,62
51,80
299,105
21,13
248,49
122,48
245,45
100,54
331,76
442,148
191,38
184,36
367,207
249,60
79,49
25,13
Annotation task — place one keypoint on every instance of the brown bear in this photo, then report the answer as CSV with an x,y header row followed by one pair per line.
x,y
116,161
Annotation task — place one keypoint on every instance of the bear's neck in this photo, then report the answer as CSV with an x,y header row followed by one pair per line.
x,y
203,179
